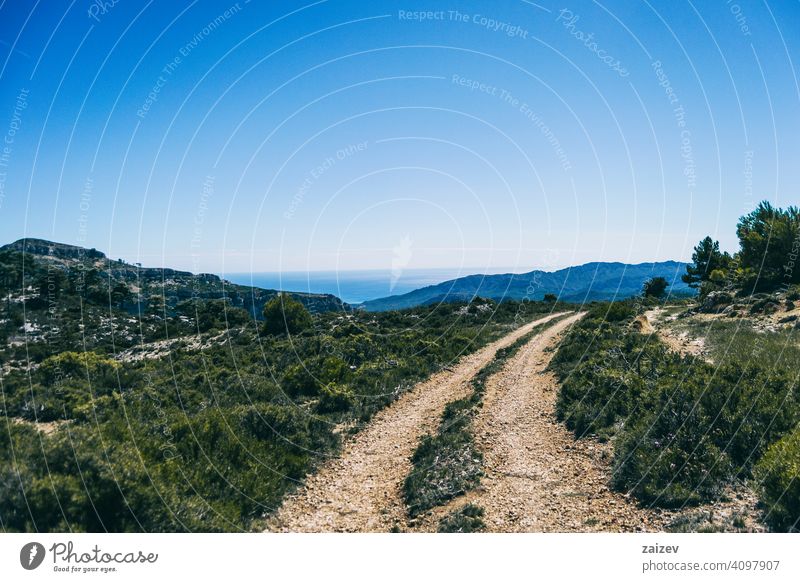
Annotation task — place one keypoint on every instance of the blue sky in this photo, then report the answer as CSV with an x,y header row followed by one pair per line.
x,y
337,135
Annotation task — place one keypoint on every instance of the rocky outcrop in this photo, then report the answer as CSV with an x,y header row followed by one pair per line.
x,y
715,302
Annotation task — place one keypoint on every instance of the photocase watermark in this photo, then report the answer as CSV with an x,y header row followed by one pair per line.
x,y
169,69
168,448
791,261
83,206
20,104
741,19
679,113
206,194
569,21
323,167
198,278
66,558
31,555
521,106
487,22
100,8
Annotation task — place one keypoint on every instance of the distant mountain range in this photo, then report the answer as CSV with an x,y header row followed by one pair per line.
x,y
589,282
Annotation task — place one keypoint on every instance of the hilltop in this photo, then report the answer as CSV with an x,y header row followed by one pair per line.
x,y
133,287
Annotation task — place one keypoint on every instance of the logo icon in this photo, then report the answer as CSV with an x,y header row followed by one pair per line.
x,y
31,555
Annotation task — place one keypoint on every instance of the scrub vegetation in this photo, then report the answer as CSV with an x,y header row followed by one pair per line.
x,y
685,428
179,410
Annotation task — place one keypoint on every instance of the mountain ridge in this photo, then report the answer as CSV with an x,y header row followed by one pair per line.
x,y
593,281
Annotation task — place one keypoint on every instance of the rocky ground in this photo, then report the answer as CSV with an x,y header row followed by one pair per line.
x,y
659,321
765,311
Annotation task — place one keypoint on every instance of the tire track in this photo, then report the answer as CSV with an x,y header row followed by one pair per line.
x,y
538,477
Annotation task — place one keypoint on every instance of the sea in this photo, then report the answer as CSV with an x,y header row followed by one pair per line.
x,y
352,287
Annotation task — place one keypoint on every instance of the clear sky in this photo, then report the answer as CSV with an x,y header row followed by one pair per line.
x,y
263,136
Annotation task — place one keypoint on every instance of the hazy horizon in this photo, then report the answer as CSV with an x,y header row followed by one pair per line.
x,y
463,269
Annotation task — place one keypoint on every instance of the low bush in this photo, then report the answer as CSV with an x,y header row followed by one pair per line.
x,y
468,519
444,466
778,473
335,397
683,429
668,457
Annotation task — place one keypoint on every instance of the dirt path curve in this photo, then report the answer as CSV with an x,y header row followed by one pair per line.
x,y
538,477
360,490
677,342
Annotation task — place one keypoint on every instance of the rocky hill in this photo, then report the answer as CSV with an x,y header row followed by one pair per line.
x,y
58,297
130,287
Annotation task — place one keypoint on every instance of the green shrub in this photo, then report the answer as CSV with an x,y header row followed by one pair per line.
x,y
749,406
468,519
332,369
334,398
444,466
213,314
283,314
668,456
603,370
778,473
299,381
612,312
78,365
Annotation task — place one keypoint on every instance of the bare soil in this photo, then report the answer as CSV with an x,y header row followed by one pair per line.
x,y
679,342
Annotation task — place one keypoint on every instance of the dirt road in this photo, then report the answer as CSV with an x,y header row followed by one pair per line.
x,y
538,477
361,489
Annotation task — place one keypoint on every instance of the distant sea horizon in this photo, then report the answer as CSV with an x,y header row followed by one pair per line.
x,y
356,286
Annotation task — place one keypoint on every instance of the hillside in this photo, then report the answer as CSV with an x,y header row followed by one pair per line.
x,y
589,282
133,287
60,297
